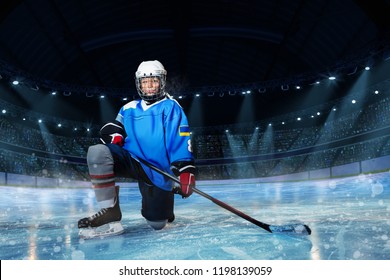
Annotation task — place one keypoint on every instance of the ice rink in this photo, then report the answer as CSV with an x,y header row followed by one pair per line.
x,y
349,219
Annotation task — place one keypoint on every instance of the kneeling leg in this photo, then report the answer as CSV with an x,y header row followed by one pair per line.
x,y
157,205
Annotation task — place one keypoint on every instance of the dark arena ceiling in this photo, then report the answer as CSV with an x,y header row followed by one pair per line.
x,y
83,49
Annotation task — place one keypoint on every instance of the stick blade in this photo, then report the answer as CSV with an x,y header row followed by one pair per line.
x,y
296,229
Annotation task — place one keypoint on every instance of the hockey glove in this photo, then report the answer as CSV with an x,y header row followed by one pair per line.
x,y
117,139
113,132
185,170
187,182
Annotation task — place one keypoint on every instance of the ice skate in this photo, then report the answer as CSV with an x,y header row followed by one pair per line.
x,y
104,223
109,229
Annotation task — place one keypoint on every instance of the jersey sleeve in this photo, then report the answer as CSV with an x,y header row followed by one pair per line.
x,y
119,117
178,141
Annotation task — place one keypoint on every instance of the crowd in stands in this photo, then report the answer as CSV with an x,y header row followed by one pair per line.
x,y
37,152
30,164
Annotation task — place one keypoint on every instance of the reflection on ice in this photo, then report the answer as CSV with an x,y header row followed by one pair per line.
x,y
349,218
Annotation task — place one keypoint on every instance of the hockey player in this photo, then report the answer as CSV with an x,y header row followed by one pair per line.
x,y
154,129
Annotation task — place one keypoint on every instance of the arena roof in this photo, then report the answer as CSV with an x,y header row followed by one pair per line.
x,y
84,49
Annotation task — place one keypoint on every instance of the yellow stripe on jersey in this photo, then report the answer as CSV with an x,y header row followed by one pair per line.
x,y
184,130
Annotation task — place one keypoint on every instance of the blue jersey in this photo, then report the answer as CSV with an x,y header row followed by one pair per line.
x,y
158,133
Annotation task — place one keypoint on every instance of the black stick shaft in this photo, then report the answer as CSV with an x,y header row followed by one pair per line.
x,y
234,210
216,201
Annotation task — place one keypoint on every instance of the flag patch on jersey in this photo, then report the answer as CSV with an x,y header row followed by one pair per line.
x,y
184,130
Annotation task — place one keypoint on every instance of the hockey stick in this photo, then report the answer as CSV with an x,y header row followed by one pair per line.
x,y
287,229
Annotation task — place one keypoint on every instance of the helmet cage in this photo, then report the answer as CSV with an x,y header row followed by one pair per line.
x,y
148,97
151,69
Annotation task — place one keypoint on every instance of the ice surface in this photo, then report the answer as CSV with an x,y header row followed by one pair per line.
x,y
349,218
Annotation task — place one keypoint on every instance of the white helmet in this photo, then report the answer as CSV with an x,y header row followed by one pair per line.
x,y
152,68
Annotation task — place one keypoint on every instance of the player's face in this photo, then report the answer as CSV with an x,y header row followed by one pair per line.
x,y
150,85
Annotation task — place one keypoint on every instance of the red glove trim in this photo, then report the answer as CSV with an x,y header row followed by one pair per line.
x,y
117,139
187,181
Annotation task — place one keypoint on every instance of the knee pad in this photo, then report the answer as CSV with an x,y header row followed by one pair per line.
x,y
157,225
99,154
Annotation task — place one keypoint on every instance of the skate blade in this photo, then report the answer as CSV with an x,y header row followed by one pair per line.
x,y
106,230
